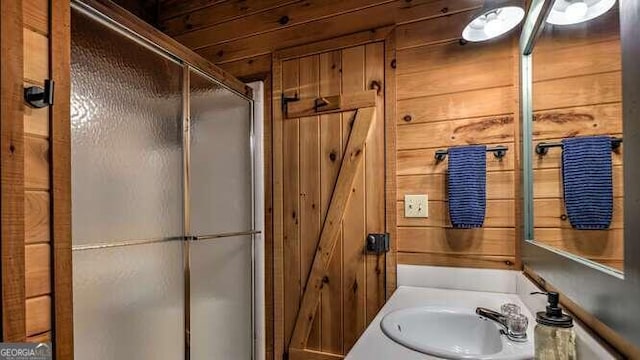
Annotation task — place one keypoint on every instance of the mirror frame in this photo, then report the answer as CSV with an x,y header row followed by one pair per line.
x,y
612,298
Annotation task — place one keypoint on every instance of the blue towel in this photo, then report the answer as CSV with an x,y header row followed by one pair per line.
x,y
467,185
587,181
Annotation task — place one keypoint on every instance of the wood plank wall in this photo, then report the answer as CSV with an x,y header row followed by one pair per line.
x,y
12,270
577,91
37,172
447,94
451,94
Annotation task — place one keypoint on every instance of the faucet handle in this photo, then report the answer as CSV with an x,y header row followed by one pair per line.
x,y
517,327
509,308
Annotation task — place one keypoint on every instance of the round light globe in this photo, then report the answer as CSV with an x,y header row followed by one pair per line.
x,y
569,12
493,23
493,27
576,11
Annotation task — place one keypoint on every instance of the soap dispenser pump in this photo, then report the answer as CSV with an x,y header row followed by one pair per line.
x,y
554,337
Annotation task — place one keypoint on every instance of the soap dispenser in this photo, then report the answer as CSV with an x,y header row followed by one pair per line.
x,y
553,335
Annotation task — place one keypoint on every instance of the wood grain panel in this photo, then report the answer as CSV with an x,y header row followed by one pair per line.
x,y
36,15
296,13
577,91
337,43
578,121
331,152
173,8
371,18
178,17
550,213
38,315
354,221
419,10
60,14
249,69
499,213
280,339
441,29
577,60
261,27
489,130
269,244
478,75
291,205
37,217
592,244
38,269
422,161
604,28
499,185
548,183
454,260
461,105
36,163
390,162
481,241
281,17
309,182
422,58
374,180
12,170
36,63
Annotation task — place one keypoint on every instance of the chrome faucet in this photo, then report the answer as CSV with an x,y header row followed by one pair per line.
x,y
518,334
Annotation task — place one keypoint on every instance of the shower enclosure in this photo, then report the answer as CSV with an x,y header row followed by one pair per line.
x,y
162,202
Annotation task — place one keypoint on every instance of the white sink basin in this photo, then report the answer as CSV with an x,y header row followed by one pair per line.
x,y
451,333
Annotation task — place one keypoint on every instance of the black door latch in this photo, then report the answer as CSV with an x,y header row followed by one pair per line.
x,y
378,243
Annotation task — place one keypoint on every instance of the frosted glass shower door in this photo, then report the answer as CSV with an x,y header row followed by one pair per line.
x,y
127,197
221,217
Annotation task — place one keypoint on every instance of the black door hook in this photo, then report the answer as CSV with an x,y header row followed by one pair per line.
x,y
38,97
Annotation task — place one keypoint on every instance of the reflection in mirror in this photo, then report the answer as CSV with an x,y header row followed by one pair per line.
x,y
578,183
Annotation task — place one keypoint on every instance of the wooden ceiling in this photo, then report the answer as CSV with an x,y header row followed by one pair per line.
x,y
228,31
146,10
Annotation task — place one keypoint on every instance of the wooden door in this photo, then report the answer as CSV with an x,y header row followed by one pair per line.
x,y
307,157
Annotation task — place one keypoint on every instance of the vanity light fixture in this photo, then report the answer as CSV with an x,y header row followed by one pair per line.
x,y
494,19
568,12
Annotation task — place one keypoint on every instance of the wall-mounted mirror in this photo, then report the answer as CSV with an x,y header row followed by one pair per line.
x,y
580,102
577,124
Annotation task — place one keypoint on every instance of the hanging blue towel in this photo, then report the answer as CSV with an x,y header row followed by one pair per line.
x,y
467,185
587,181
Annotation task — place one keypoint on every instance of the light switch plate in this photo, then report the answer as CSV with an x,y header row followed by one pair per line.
x,y
416,206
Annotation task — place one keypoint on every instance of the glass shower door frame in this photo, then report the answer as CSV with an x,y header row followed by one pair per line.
x,y
186,237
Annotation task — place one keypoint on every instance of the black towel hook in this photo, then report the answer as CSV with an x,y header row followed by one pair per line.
x,y
38,97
